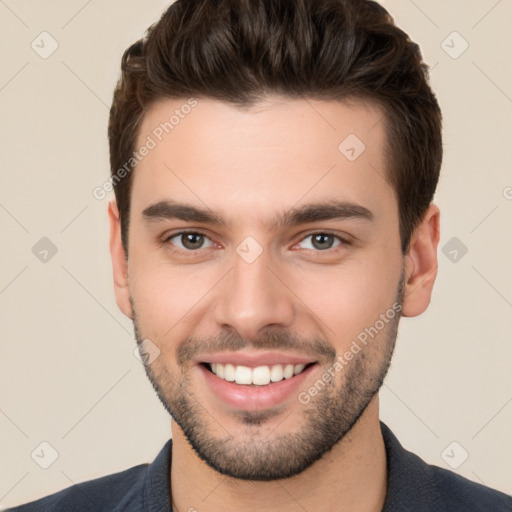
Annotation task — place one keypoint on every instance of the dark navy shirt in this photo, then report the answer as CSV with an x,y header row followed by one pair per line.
x,y
413,486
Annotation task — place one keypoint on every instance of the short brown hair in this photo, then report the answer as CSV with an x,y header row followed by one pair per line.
x,y
238,51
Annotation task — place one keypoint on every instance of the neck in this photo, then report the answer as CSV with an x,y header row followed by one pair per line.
x,y
352,476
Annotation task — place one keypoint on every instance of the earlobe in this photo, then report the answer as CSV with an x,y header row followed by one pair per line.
x,y
421,264
119,262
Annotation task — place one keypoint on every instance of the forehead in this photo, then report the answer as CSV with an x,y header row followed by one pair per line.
x,y
260,159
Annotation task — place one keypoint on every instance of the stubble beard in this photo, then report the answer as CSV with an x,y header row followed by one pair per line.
x,y
325,419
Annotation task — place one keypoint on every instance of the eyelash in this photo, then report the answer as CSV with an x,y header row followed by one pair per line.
x,y
167,240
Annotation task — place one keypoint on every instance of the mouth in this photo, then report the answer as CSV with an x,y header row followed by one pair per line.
x,y
258,376
254,382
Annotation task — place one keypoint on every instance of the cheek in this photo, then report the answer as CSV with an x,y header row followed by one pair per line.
x,y
348,299
167,298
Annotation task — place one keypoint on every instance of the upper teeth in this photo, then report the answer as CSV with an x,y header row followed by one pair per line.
x,y
261,375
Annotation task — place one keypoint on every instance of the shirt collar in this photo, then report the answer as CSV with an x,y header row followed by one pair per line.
x,y
157,492
411,484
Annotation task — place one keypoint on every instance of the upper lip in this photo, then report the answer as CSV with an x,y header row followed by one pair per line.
x,y
254,359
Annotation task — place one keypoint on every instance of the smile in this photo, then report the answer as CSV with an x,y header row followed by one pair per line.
x,y
258,376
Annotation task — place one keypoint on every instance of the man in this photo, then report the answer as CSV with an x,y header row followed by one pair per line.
x,y
274,165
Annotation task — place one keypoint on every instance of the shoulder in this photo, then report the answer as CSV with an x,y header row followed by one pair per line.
x,y
142,487
109,493
415,485
459,493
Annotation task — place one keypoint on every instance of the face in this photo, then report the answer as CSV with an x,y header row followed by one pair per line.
x,y
265,271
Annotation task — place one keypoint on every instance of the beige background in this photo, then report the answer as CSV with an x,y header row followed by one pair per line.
x,y
67,369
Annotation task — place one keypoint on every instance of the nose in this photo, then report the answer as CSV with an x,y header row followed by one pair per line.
x,y
252,297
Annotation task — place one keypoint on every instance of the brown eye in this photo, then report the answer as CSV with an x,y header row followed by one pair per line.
x,y
189,241
192,240
321,241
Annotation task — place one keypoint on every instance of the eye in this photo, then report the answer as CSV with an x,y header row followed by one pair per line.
x,y
321,241
189,240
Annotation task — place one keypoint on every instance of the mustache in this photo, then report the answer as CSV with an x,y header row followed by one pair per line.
x,y
273,339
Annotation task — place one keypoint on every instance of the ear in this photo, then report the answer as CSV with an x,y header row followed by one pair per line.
x,y
119,262
421,264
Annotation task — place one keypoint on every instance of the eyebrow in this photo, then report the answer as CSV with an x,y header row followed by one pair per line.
x,y
167,210
312,212
326,210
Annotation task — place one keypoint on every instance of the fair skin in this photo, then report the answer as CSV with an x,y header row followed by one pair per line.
x,y
250,167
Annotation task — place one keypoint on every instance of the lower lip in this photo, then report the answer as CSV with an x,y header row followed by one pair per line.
x,y
255,398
